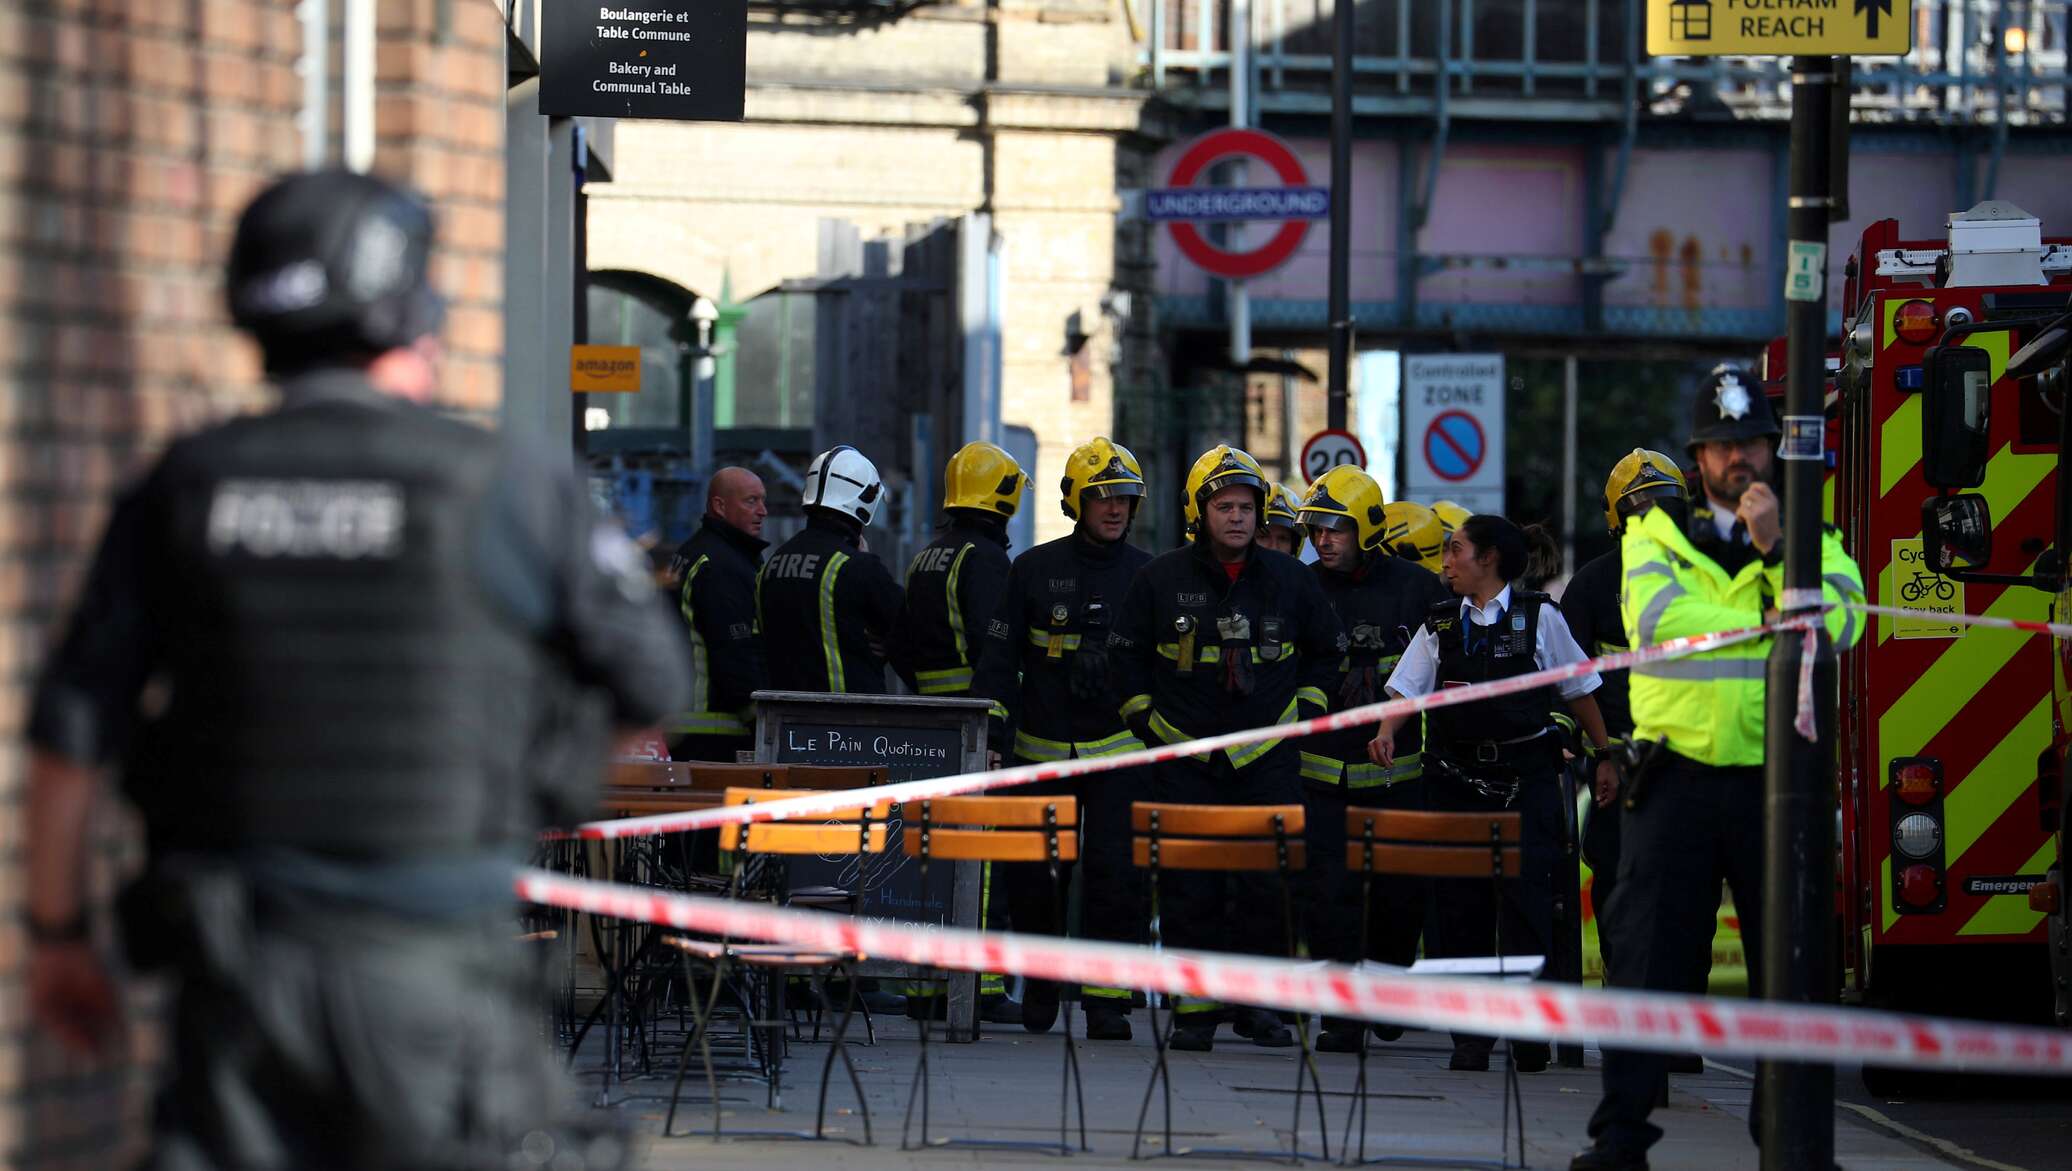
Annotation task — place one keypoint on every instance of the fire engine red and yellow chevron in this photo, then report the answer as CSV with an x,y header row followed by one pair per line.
x,y
1932,688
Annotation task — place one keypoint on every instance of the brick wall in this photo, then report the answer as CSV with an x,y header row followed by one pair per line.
x,y
130,134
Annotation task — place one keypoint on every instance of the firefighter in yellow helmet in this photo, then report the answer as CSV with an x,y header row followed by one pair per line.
x,y
1380,599
1217,636
1279,531
953,587
1640,481
1450,516
1413,532
1045,666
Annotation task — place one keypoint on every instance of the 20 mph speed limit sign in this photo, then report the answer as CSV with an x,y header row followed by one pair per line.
x,y
1331,449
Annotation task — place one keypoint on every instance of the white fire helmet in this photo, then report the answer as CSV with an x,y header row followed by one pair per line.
x,y
843,480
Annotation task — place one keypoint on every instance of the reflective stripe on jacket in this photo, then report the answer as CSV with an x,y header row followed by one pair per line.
x,y
1709,706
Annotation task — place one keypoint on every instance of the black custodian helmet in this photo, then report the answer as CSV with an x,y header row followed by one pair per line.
x,y
329,264
1730,405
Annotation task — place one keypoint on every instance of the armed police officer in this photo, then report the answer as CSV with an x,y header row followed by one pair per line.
x,y
1380,599
1046,668
1504,752
1220,636
824,604
309,634
953,586
1694,806
716,569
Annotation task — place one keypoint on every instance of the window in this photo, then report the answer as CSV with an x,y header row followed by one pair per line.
x,y
635,309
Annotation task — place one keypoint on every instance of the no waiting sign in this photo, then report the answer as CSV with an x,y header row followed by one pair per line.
x,y
1453,429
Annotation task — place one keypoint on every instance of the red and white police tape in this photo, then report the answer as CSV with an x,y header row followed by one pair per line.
x,y
1530,1010
2060,629
821,804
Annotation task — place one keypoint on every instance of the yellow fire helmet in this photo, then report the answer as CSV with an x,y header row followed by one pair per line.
x,y
983,477
1450,516
1413,532
1345,497
1096,470
1643,476
1280,506
1218,468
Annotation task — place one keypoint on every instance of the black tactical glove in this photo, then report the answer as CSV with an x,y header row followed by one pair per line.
x,y
1090,672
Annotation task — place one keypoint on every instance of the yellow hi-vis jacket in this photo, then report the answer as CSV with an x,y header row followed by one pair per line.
x,y
1709,706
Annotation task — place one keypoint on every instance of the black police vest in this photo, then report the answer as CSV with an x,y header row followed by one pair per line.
x,y
339,683
1478,654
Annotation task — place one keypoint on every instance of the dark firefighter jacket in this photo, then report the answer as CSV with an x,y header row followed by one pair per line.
x,y
1380,606
1045,664
952,588
820,601
1590,605
1196,654
717,601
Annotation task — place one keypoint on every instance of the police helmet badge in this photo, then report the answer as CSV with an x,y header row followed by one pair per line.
x,y
1731,397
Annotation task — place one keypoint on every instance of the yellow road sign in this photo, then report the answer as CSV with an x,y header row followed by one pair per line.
x,y
592,369
1779,28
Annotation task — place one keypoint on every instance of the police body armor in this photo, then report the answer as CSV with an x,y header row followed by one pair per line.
x,y
1502,737
355,690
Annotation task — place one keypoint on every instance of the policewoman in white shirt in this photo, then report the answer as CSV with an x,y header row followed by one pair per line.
x,y
1499,753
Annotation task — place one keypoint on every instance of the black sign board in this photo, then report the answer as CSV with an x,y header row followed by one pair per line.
x,y
685,60
905,753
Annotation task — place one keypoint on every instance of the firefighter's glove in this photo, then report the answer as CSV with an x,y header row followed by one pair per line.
x,y
1090,673
1358,688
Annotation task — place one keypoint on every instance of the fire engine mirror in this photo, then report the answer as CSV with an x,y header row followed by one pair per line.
x,y
2048,348
1956,416
1956,532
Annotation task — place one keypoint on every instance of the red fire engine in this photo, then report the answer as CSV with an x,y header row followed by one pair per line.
x,y
1948,486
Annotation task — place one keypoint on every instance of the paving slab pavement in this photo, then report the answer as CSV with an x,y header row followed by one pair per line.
x,y
1007,1086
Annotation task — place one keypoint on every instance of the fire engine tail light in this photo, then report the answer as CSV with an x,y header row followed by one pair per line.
x,y
1917,835
1915,786
1916,322
1920,886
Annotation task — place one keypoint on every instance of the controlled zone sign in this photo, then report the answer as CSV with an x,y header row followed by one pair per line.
x,y
1453,424
1331,449
1182,205
1780,28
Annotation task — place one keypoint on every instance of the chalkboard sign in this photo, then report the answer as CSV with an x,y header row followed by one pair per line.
x,y
909,737
684,60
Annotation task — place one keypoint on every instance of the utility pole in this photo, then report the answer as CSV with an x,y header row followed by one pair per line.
x,y
1796,1099
1341,307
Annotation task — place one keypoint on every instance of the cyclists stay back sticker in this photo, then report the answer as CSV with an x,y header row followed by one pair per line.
x,y
1910,583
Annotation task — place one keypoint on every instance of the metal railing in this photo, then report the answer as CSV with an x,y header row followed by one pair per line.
x,y
1974,61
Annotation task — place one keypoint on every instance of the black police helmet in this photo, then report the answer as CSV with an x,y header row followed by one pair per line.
x,y
1730,405
332,264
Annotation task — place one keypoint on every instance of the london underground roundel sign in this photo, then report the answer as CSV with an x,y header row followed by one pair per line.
x,y
1184,206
